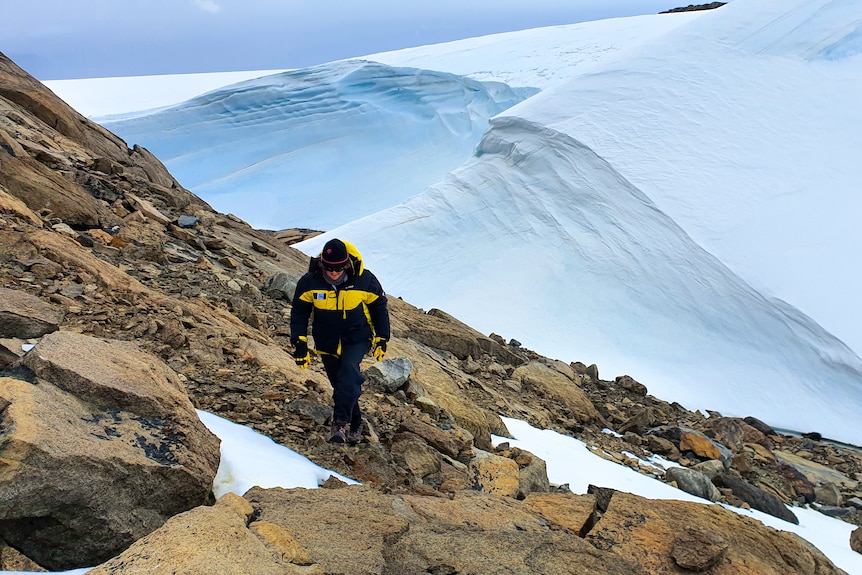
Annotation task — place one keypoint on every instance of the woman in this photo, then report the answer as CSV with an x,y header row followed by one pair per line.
x,y
349,316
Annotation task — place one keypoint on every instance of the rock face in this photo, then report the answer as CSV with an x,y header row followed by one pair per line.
x,y
141,302
217,539
98,448
362,531
678,537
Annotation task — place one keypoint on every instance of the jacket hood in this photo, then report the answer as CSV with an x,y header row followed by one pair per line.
x,y
355,258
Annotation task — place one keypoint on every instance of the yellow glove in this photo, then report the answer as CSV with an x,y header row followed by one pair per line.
x,y
378,348
303,362
300,352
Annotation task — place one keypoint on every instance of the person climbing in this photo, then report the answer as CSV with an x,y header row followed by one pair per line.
x,y
349,316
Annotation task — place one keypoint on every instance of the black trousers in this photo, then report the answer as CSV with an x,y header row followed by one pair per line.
x,y
346,379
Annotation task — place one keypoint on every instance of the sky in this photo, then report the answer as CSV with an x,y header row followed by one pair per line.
x,y
670,198
57,39
568,461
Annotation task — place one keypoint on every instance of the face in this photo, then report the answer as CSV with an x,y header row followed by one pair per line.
x,y
334,275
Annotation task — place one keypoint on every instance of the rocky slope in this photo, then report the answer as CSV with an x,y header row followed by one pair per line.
x,y
143,302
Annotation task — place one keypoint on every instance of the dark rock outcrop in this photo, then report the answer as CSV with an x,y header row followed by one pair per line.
x,y
755,497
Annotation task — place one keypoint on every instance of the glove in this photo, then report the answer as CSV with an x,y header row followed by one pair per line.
x,y
378,348
300,352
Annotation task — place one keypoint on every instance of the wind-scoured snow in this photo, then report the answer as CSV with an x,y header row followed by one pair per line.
x,y
820,30
732,130
539,232
540,57
280,143
360,136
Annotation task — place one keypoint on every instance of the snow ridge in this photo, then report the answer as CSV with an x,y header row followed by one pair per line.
x,y
617,281
287,135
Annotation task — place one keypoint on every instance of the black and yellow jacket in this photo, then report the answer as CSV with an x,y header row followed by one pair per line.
x,y
352,312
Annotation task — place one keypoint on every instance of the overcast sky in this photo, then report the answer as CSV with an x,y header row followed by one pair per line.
x,y
57,39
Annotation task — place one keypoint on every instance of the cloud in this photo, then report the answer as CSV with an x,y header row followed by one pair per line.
x,y
208,6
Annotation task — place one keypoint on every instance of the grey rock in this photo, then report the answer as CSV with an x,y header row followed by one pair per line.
x,y
315,411
187,221
828,494
23,315
280,286
694,482
533,478
756,497
710,468
833,510
390,374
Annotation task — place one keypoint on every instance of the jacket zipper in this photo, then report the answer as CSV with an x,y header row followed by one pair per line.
x,y
339,303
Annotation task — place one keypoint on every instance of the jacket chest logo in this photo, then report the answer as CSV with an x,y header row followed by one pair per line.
x,y
320,295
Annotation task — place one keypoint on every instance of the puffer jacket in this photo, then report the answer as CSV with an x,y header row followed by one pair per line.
x,y
352,312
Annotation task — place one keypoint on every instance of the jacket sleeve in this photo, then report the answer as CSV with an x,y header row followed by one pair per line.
x,y
300,311
379,308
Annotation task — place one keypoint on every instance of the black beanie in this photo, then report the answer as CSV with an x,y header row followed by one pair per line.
x,y
334,255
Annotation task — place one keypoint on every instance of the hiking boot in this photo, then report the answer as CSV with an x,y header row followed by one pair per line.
x,y
339,433
354,436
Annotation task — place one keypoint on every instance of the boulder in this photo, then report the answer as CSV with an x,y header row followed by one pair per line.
x,y
147,209
664,536
856,540
10,204
815,472
710,467
628,383
23,315
639,422
217,539
415,455
494,474
795,484
360,530
545,381
828,494
98,447
755,497
703,446
11,350
532,475
281,285
389,374
760,426
456,443
694,482
565,510
729,431
469,533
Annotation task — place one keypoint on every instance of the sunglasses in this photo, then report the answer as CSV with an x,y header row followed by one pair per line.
x,y
333,269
